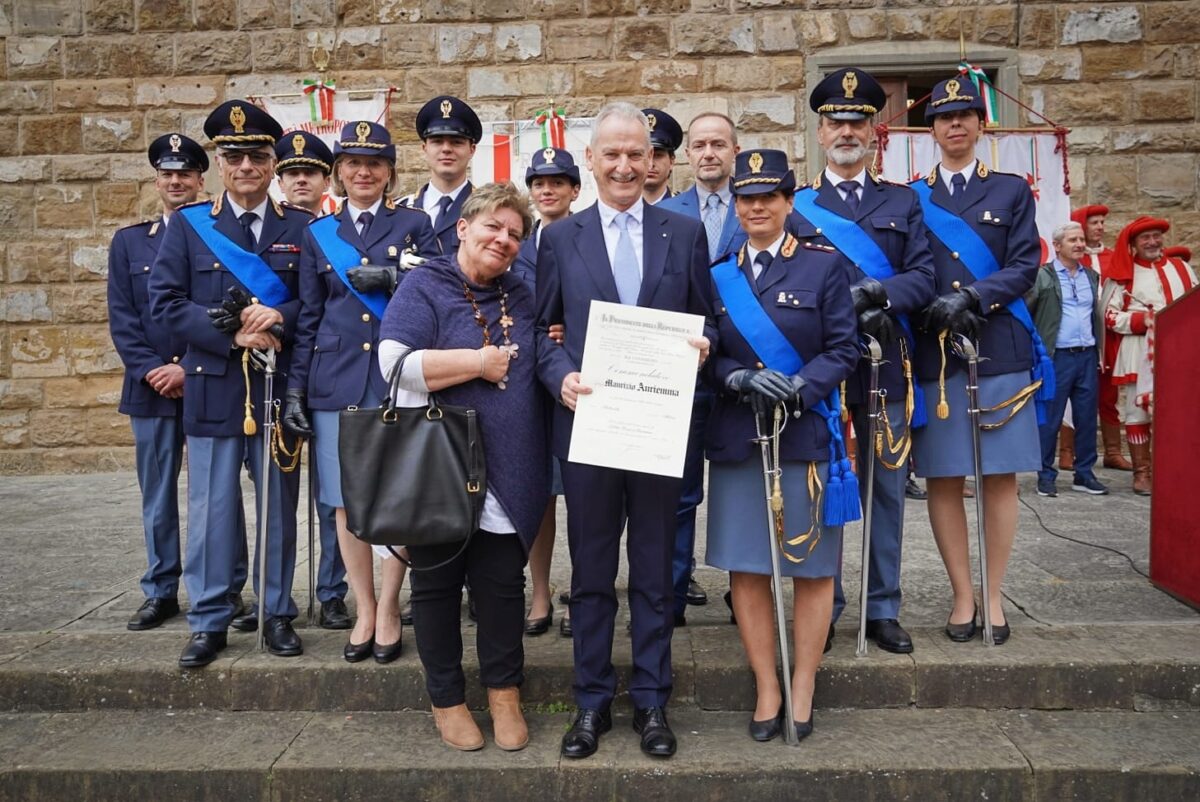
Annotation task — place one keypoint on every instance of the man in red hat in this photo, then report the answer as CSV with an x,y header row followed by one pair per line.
x,y
1141,282
1097,257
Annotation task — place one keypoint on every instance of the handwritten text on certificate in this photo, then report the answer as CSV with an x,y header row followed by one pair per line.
x,y
642,372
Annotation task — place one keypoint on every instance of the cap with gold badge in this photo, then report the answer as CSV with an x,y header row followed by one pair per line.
x,y
953,94
300,149
759,171
446,115
175,151
848,94
240,125
552,161
365,138
665,131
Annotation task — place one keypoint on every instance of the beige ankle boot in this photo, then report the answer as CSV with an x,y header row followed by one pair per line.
x,y
458,729
511,732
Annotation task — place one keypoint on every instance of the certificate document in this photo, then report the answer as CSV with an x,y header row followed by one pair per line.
x,y
642,372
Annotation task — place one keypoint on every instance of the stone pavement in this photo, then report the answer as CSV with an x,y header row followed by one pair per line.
x,y
1096,696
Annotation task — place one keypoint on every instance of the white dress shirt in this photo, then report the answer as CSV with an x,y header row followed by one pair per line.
x,y
752,254
432,195
260,210
612,233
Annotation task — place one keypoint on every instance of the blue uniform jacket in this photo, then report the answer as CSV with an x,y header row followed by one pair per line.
x,y
573,269
186,280
1000,208
807,296
336,334
891,216
142,344
524,266
446,230
688,203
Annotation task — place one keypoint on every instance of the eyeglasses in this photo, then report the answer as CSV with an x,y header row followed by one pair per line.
x,y
258,158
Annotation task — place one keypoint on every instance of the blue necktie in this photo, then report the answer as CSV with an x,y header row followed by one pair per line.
x,y
957,184
714,221
626,272
763,259
850,188
364,224
250,242
443,207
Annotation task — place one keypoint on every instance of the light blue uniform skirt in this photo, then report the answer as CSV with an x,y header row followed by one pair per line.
x,y
738,537
944,447
325,441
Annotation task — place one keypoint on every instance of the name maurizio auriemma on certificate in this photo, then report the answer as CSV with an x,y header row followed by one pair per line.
x,y
642,372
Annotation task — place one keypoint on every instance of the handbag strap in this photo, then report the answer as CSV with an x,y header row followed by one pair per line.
x,y
432,412
435,566
473,450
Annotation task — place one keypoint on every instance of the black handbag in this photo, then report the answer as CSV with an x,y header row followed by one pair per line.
x,y
412,476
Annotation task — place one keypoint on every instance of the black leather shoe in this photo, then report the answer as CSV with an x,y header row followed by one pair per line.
x,y
763,731
803,728
729,603
584,736
695,594
539,626
1000,634
239,606
913,490
282,640
386,653
201,649
564,597
657,738
961,633
153,613
889,636
680,620
246,620
357,652
565,629
406,616
828,641
334,615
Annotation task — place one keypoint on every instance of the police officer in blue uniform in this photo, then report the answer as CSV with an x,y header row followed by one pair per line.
x,y
226,282
303,166
352,261
553,181
878,226
449,131
153,383
985,254
786,336
666,136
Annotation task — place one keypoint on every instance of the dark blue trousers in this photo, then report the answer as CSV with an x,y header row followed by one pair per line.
x,y
1076,378
690,497
599,503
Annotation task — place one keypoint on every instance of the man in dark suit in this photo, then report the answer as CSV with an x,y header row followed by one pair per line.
x,y
449,131
242,246
618,250
153,388
891,279
712,146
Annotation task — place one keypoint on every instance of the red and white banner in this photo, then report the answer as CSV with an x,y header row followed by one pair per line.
x,y
507,149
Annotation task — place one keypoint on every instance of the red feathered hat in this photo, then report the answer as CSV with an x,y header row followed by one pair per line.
x,y
1180,252
1081,214
1120,268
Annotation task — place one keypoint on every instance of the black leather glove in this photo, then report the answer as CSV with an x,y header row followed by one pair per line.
x,y
762,388
957,311
878,324
868,293
295,414
227,317
373,278
797,383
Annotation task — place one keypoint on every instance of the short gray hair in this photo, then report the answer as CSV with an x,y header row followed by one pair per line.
x,y
622,110
1062,230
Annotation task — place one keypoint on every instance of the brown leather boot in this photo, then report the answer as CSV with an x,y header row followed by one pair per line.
x,y
1066,448
1113,458
1141,468
457,728
508,723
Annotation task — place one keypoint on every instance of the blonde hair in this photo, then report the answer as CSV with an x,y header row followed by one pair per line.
x,y
492,197
339,189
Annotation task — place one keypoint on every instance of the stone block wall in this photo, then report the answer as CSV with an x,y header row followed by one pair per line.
x,y
86,84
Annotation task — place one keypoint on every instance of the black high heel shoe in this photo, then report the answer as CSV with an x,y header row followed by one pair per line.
x,y
357,652
768,730
539,626
804,728
961,633
386,653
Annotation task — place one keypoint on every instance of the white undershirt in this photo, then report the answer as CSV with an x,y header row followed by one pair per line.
x,y
260,212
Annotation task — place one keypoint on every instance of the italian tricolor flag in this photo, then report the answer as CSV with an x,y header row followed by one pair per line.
x,y
984,86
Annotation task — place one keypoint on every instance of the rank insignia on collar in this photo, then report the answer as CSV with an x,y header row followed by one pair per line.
x,y
789,246
981,170
298,144
446,108
175,143
931,179
153,229
816,183
237,119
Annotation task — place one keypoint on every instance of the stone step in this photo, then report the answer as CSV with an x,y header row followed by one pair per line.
x,y
853,754
1144,668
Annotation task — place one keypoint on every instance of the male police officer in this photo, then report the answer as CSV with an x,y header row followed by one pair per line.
x,y
153,383
449,131
665,138
303,165
878,226
225,282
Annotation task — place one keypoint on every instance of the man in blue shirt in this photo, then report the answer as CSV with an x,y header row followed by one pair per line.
x,y
1065,304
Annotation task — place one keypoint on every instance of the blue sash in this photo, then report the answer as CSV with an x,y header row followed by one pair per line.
x,y
343,256
776,352
248,268
849,238
957,235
